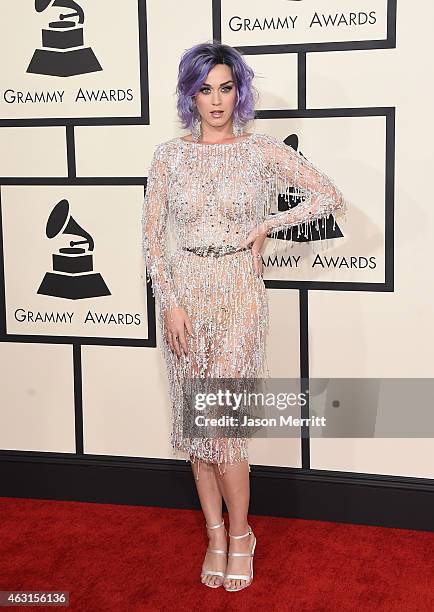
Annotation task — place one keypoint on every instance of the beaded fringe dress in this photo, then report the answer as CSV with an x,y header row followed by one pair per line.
x,y
209,197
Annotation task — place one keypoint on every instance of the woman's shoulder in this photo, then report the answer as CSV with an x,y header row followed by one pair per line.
x,y
265,142
268,138
164,147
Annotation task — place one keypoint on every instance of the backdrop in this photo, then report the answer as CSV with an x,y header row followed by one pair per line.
x,y
87,93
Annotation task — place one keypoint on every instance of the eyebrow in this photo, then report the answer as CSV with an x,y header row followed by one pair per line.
x,y
225,83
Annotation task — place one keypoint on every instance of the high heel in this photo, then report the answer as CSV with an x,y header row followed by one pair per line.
x,y
217,552
249,578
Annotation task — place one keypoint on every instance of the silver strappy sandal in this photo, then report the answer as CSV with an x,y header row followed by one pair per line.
x,y
217,552
249,578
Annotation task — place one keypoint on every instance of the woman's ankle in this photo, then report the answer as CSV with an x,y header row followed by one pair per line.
x,y
239,529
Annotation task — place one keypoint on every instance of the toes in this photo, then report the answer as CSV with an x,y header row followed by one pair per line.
x,y
212,580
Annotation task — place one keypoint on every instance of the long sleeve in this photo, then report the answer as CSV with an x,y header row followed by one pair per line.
x,y
154,232
290,174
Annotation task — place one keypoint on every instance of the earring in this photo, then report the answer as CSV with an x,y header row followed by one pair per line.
x,y
196,129
237,128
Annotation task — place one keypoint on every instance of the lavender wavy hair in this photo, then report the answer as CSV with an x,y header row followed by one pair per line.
x,y
194,66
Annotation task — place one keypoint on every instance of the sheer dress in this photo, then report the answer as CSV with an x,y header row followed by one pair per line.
x,y
210,196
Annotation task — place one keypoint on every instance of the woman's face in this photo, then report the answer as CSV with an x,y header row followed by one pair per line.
x,y
218,93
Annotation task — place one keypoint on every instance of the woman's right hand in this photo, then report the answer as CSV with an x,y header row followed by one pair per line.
x,y
176,322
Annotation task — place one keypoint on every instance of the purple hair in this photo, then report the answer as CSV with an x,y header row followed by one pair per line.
x,y
194,66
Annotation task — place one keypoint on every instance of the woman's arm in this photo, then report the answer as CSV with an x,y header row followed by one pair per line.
x,y
287,171
154,232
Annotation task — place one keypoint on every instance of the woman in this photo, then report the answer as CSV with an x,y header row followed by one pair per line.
x,y
214,188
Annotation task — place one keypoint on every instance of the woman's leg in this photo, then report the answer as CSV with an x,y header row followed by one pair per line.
x,y
211,502
239,352
235,486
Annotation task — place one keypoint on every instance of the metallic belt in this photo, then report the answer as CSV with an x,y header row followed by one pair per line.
x,y
214,250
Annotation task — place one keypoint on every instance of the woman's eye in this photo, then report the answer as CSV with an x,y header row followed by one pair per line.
x,y
206,89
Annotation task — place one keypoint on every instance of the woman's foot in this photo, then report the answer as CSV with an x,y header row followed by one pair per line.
x,y
214,564
240,565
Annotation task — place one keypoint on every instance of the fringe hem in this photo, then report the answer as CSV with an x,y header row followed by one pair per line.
x,y
218,457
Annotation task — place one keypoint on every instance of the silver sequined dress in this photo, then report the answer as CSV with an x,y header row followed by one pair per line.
x,y
214,195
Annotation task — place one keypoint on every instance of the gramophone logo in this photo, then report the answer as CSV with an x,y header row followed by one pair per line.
x,y
327,228
72,275
63,52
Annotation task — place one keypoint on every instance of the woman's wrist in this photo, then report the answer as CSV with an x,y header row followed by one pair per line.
x,y
264,229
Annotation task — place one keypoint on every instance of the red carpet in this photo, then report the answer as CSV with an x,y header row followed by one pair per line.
x,y
131,558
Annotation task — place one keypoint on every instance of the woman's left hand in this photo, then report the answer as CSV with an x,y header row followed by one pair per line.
x,y
256,238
